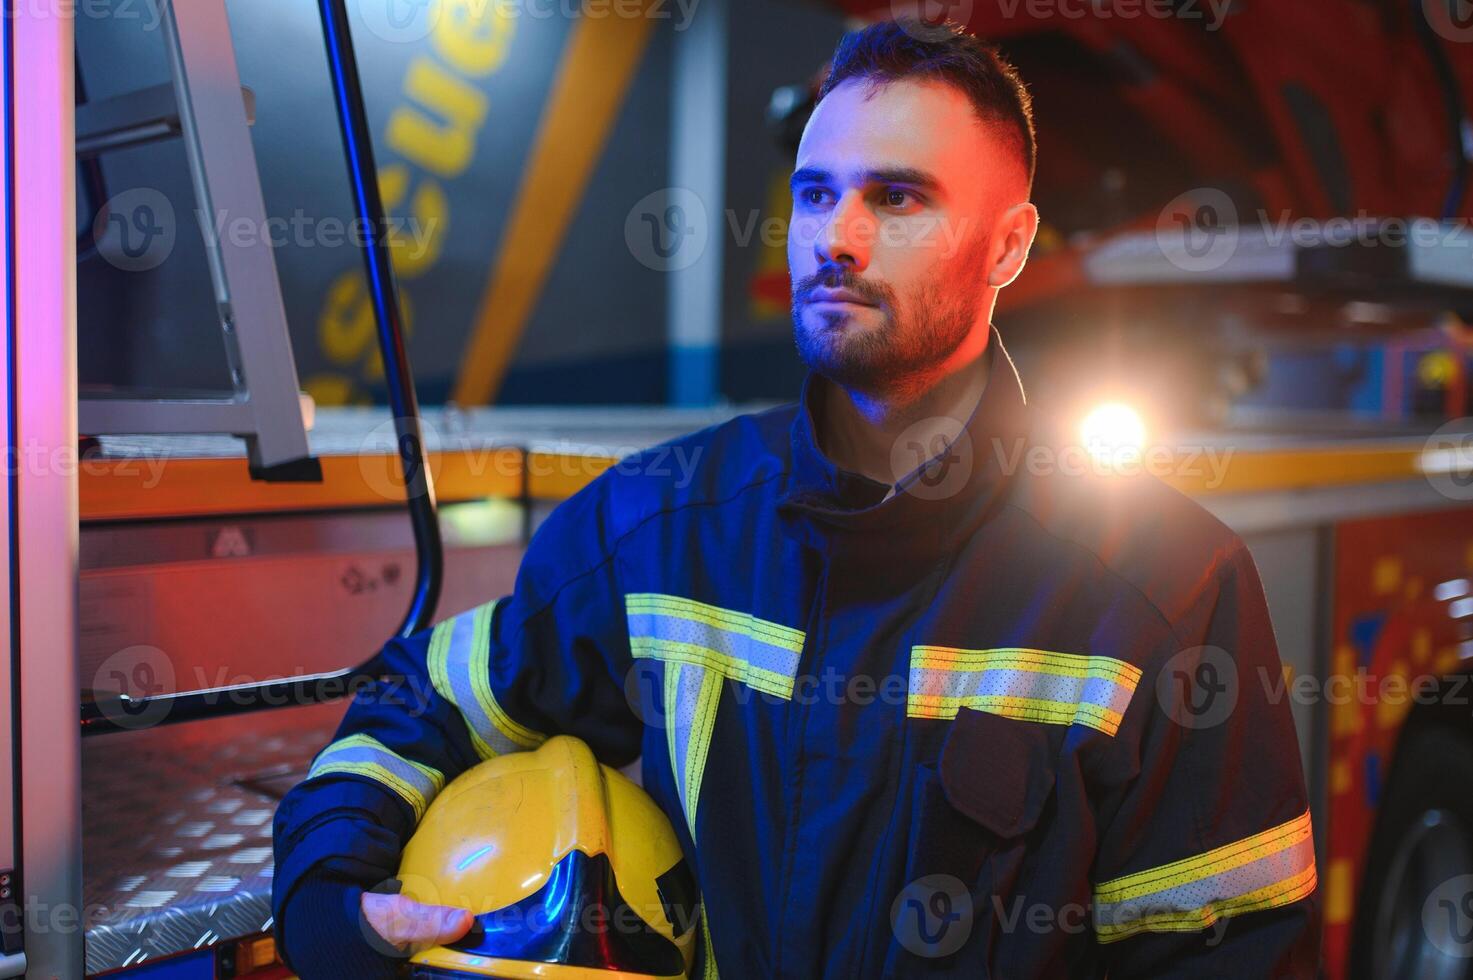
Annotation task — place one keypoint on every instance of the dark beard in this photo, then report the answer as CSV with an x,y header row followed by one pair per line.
x,y
910,342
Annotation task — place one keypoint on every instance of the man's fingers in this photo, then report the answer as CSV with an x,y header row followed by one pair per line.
x,y
405,922
454,923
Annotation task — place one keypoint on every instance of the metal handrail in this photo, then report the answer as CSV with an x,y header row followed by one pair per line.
x,y
124,713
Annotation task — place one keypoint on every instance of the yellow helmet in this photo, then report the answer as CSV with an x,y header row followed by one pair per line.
x,y
572,872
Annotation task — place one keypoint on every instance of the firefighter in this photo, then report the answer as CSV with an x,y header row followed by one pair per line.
x,y
920,696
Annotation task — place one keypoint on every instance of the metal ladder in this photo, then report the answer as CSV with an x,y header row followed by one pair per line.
x,y
206,106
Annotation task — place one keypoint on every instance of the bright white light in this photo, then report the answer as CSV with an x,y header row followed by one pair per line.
x,y
1450,589
1113,433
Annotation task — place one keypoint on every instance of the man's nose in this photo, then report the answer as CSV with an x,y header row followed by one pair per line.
x,y
849,234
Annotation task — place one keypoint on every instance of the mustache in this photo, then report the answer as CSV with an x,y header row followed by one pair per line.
x,y
840,277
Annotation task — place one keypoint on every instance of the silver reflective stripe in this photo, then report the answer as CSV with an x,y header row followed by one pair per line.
x,y
1035,685
364,755
692,696
728,643
459,663
1022,684
761,654
1264,871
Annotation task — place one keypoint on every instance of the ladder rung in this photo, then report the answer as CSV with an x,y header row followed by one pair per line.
x,y
136,118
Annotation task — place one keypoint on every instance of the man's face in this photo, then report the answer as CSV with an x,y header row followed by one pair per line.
x,y
895,194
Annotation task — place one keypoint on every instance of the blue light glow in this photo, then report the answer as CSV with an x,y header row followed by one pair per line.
x,y
473,857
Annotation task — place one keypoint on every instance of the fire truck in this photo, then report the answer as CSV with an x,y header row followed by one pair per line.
x,y
196,582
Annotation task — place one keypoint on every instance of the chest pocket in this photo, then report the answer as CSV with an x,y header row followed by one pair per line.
x,y
997,771
993,779
972,812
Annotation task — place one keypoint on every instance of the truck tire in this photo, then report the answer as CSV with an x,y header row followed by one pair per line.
x,y
1414,919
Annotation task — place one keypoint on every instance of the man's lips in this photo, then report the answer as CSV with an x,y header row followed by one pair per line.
x,y
837,296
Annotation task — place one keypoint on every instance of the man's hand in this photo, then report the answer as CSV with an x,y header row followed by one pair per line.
x,y
411,925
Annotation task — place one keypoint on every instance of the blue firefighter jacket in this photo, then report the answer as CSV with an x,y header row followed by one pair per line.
x,y
1017,719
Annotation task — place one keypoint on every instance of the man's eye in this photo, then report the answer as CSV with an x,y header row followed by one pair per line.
x,y
897,198
814,195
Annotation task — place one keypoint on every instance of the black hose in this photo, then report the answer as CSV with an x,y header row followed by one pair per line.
x,y
363,174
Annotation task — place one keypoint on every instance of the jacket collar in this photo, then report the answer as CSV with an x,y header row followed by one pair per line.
x,y
941,496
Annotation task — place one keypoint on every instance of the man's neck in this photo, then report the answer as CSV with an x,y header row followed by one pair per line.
x,y
859,429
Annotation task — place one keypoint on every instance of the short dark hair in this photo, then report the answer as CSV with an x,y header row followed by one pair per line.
x,y
894,49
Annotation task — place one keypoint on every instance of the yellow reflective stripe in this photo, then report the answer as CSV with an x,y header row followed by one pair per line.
x,y
437,662
481,682
710,971
671,706
760,654
459,662
691,697
1024,709
714,616
1022,683
674,651
1022,658
701,727
1220,859
1285,892
364,755
1269,869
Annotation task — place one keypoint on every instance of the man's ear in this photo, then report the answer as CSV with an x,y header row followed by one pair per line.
x,y
1015,231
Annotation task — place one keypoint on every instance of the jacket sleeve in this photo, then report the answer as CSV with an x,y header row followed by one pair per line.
x,y
1206,867
549,659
